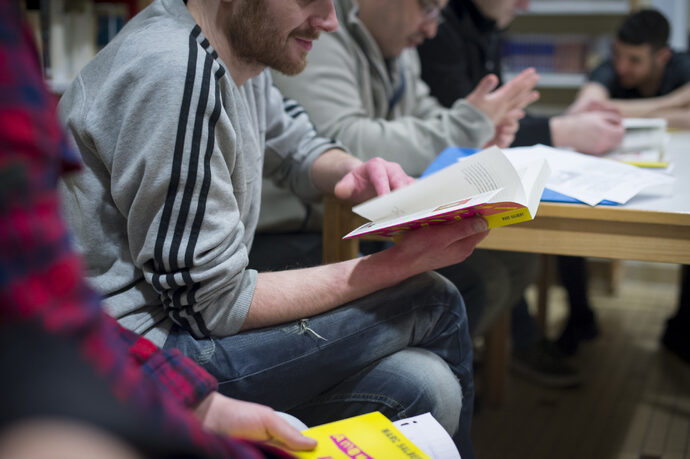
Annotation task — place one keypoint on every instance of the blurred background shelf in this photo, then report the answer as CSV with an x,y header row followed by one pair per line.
x,y
555,80
565,39
70,32
579,7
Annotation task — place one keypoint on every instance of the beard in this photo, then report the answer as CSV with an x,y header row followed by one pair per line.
x,y
254,37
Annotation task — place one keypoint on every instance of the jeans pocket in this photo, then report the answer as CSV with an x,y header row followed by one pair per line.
x,y
200,351
205,350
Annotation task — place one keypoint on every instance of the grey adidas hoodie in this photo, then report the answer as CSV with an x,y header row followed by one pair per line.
x,y
167,204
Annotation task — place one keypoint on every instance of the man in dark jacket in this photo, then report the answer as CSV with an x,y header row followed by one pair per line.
x,y
465,49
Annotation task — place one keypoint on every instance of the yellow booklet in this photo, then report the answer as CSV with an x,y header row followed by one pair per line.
x,y
368,436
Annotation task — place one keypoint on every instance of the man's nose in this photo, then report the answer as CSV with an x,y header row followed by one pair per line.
x,y
622,67
522,5
325,19
429,28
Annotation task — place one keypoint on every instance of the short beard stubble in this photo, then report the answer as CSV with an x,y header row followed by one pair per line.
x,y
253,35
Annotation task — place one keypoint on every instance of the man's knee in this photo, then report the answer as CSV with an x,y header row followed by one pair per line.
x,y
425,383
440,290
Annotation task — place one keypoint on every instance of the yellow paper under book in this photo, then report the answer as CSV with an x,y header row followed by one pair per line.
x,y
367,436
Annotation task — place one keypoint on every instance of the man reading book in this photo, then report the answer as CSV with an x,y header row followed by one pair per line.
x,y
175,120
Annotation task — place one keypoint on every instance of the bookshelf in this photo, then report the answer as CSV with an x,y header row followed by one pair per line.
x,y
555,80
591,7
564,39
70,32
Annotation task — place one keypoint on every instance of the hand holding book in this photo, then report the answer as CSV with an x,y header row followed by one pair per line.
x,y
485,184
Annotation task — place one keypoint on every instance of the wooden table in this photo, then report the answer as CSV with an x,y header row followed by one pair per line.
x,y
650,227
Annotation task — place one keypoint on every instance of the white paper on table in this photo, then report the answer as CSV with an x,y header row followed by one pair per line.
x,y
429,436
588,178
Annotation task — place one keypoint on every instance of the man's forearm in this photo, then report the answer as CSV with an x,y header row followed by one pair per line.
x,y
286,296
330,167
637,108
677,118
590,91
290,295
640,108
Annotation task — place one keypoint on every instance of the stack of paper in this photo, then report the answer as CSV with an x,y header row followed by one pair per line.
x,y
425,432
587,178
644,143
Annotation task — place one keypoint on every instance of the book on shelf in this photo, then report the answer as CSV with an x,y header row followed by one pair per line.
x,y
110,19
69,33
549,53
373,436
485,183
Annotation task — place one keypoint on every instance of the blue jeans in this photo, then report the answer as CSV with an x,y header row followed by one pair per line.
x,y
403,351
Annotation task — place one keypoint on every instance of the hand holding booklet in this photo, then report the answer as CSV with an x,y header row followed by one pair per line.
x,y
485,184
373,436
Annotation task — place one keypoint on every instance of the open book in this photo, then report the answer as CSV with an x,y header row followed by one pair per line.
x,y
373,436
485,183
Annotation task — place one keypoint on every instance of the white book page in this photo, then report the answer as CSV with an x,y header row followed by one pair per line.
x,y
534,175
429,436
644,123
588,178
649,155
373,226
484,171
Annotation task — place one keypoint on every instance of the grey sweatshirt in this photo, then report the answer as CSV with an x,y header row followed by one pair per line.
x,y
166,207
347,88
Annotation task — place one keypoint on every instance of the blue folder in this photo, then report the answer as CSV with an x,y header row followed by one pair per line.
x,y
451,155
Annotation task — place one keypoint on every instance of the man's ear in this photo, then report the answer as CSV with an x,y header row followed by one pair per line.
x,y
663,55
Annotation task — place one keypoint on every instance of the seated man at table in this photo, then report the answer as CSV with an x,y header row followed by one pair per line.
x,y
174,120
466,49
362,86
644,77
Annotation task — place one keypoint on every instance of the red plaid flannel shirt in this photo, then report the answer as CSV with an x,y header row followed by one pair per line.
x,y
41,278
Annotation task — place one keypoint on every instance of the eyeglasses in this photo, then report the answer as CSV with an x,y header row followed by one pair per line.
x,y
431,11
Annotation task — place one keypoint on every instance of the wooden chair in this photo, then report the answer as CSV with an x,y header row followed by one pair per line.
x,y
338,220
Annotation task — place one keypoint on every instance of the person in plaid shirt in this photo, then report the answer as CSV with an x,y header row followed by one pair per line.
x,y
60,354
